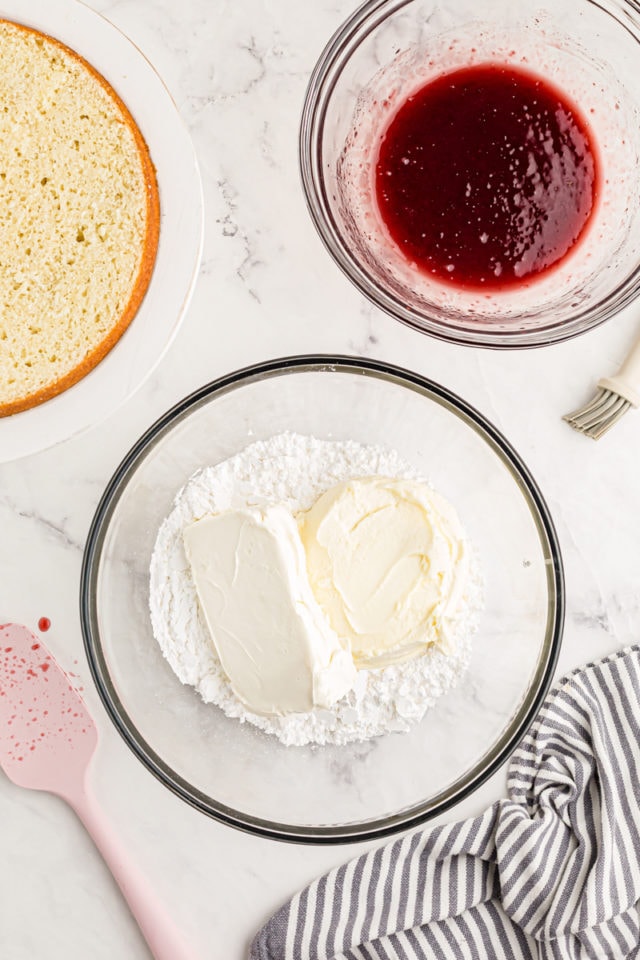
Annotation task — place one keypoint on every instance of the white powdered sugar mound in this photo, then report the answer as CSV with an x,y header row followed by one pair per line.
x,y
294,470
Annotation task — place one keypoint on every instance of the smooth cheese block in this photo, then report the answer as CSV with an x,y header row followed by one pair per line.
x,y
275,646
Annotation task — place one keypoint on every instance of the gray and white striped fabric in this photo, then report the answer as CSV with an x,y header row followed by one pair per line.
x,y
551,873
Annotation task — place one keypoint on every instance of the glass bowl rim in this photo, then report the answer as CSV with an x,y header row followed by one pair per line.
x,y
528,708
346,38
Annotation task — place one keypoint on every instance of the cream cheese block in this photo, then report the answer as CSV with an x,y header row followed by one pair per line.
x,y
279,653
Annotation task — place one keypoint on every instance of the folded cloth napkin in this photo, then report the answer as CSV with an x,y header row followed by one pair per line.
x,y
551,872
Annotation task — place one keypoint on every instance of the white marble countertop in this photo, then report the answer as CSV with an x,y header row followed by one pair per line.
x,y
238,73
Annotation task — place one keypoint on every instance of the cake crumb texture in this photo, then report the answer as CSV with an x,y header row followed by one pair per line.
x,y
79,217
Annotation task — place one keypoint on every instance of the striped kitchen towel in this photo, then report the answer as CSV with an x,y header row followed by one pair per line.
x,y
551,873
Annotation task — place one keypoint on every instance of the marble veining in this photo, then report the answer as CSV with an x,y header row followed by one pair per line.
x,y
267,287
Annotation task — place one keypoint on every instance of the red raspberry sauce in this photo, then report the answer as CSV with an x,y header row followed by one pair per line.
x,y
487,177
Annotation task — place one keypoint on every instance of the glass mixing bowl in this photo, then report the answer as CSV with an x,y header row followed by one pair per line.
x,y
238,774
389,48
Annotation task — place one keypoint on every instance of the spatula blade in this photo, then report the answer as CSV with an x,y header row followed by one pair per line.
x,y
47,736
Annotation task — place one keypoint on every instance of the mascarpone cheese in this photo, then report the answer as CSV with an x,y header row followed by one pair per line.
x,y
388,564
277,649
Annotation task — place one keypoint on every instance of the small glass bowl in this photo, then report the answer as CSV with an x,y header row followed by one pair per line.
x,y
390,48
236,773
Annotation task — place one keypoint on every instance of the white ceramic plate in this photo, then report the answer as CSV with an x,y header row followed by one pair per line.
x,y
181,228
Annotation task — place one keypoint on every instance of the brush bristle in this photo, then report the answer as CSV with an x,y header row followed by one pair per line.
x,y
599,415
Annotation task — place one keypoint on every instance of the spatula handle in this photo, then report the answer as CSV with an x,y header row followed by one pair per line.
x,y
164,939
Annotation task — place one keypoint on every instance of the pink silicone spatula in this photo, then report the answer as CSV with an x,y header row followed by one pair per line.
x,y
47,740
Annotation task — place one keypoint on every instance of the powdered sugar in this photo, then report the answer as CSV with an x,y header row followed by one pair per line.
x,y
293,470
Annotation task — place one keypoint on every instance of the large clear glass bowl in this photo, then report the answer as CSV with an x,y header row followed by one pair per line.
x,y
238,774
389,48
